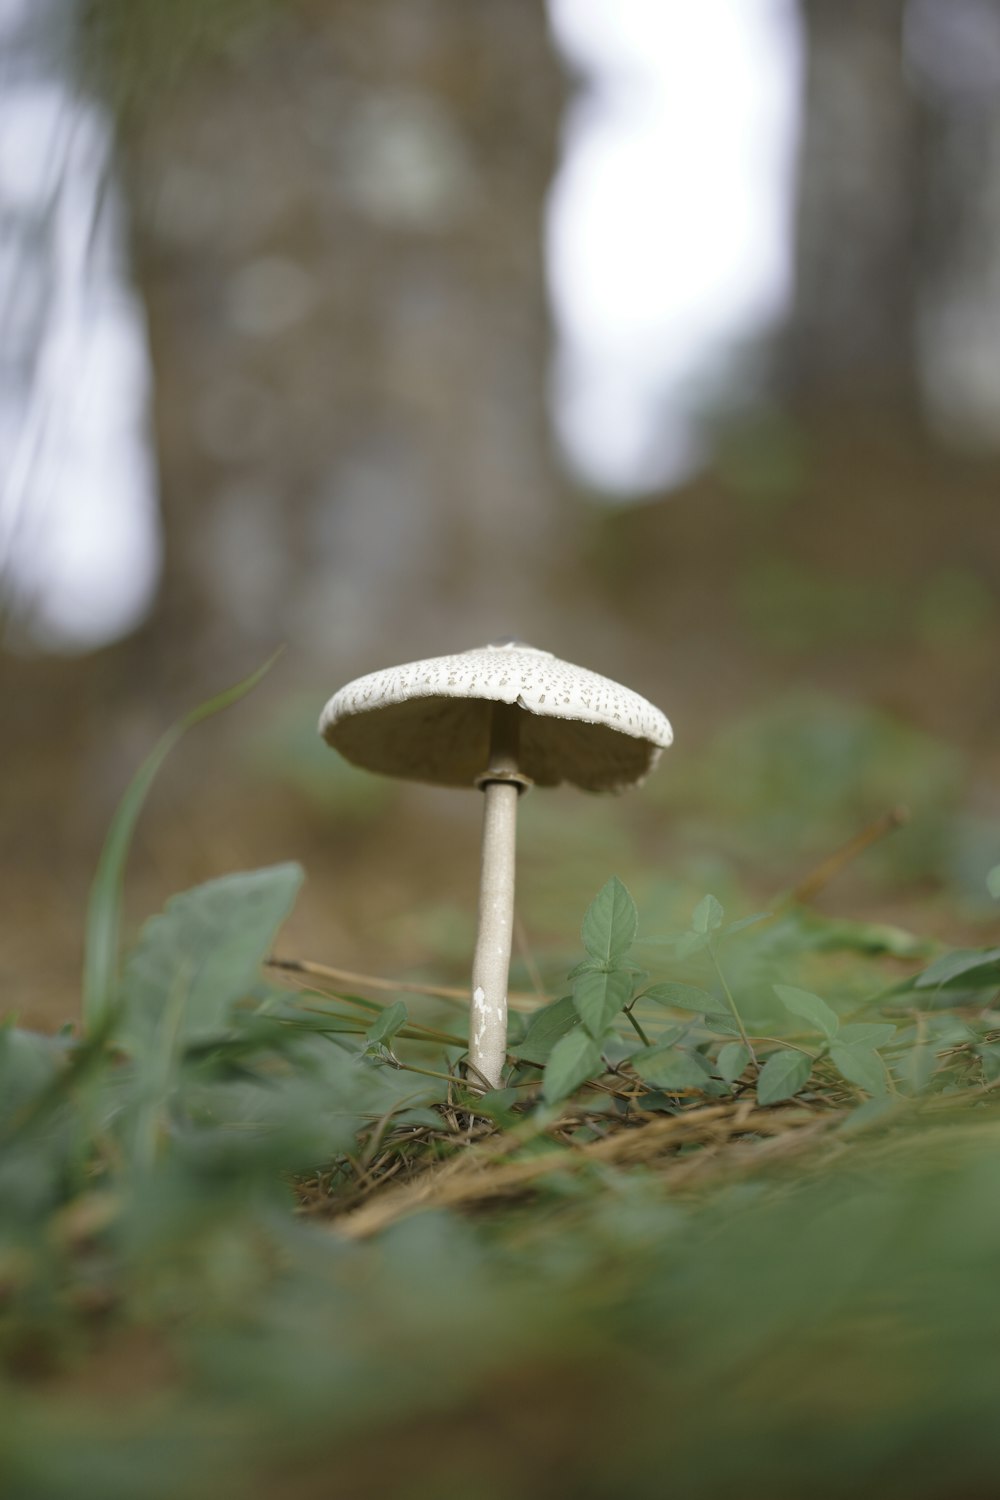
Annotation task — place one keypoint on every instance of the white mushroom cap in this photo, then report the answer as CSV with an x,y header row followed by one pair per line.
x,y
430,720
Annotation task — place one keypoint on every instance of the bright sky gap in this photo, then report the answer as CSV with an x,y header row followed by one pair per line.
x,y
669,237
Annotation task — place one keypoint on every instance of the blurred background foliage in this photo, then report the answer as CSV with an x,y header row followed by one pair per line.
x,y
327,237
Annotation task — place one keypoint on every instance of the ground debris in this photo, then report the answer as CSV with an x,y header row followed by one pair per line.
x,y
490,1165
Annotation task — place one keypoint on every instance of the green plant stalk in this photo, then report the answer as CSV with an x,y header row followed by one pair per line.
x,y
414,1030
405,1067
644,1039
730,1001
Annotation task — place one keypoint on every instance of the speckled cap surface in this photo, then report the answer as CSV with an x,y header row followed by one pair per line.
x,y
430,720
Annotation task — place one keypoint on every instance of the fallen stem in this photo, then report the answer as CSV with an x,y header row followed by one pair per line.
x,y
392,986
810,886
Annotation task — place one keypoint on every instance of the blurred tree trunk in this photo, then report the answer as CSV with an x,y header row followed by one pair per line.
x,y
953,60
853,326
898,216
336,216
338,240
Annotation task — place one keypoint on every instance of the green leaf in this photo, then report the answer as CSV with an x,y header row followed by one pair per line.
x,y
782,1075
707,916
574,1058
545,1028
378,1055
599,996
691,942
722,1024
330,1022
860,1065
609,926
732,1061
961,961
28,1064
666,1037
869,1115
497,1105
686,997
915,1067
810,1007
671,1069
583,967
390,1022
993,882
201,955
101,945
868,1033
840,935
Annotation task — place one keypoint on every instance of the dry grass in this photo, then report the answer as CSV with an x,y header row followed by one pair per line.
x,y
469,1164
484,1165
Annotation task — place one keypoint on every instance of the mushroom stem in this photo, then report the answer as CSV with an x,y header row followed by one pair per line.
x,y
501,784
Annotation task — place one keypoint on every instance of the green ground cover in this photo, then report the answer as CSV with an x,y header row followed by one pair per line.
x,y
733,1222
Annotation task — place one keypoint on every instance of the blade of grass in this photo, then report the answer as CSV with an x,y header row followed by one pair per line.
x,y
103,924
415,1030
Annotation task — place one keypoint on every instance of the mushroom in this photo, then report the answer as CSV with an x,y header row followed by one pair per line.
x,y
502,718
